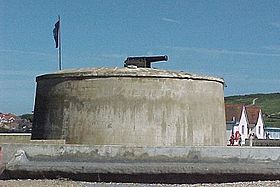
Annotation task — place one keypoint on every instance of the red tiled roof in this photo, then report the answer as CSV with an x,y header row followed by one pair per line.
x,y
233,111
7,116
252,112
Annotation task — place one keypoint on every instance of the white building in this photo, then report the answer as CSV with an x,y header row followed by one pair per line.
x,y
7,118
244,120
272,133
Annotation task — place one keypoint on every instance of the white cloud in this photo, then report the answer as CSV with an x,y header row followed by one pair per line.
x,y
170,20
222,51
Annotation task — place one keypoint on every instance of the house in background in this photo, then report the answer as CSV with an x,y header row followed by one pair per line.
x,y
12,123
272,133
7,118
243,120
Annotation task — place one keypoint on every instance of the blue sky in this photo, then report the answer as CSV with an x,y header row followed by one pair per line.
x,y
236,40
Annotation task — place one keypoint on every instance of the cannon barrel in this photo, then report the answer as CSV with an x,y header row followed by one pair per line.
x,y
145,61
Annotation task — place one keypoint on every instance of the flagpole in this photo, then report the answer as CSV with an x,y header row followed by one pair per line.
x,y
59,44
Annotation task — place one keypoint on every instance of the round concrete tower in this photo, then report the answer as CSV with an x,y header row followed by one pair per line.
x,y
133,107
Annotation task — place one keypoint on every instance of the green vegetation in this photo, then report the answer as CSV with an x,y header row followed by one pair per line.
x,y
29,117
270,104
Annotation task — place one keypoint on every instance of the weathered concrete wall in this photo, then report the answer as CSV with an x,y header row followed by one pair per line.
x,y
89,153
21,138
264,142
144,111
15,137
146,160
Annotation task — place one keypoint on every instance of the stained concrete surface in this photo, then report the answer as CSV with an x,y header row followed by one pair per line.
x,y
89,153
160,164
132,107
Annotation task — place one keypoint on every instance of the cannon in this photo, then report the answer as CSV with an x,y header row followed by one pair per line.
x,y
143,62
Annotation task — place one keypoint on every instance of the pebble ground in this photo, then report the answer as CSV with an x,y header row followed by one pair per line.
x,y
67,183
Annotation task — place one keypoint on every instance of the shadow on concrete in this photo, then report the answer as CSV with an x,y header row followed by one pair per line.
x,y
170,178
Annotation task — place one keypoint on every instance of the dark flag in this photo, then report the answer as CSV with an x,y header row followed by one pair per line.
x,y
56,33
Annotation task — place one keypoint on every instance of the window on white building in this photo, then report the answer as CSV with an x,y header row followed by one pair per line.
x,y
242,130
259,129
